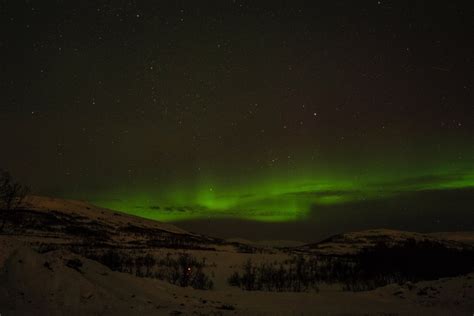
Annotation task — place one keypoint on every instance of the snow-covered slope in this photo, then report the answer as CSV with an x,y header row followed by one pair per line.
x,y
66,223
92,212
354,242
464,237
63,283
52,263
267,243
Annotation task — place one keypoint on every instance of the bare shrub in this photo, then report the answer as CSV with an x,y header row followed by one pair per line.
x,y
12,194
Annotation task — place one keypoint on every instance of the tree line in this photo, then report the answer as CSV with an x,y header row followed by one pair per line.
x,y
181,269
410,261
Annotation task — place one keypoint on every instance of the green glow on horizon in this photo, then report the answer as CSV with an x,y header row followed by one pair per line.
x,y
275,199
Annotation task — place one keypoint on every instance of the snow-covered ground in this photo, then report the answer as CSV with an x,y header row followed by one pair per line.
x,y
37,280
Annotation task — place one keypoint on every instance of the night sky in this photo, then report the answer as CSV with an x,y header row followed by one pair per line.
x,y
258,119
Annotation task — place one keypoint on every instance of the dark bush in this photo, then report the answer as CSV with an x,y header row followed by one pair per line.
x,y
294,275
12,195
182,270
411,261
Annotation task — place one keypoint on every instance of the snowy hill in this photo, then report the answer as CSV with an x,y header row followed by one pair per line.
x,y
70,257
92,212
355,242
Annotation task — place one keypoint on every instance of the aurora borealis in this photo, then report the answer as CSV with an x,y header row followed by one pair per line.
x,y
278,200
269,119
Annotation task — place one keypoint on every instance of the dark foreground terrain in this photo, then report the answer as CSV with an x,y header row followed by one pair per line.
x,y
68,257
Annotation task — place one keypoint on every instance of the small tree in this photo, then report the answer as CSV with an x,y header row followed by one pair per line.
x,y
12,195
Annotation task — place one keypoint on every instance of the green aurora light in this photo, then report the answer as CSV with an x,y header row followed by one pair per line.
x,y
278,200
